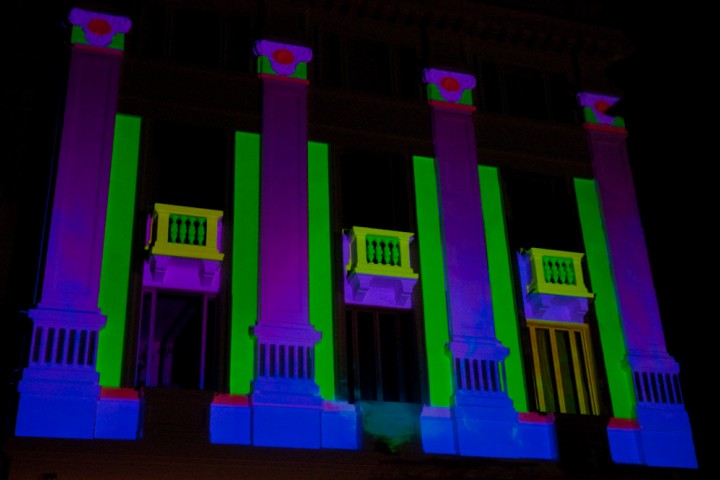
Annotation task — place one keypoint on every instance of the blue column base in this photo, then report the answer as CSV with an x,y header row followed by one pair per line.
x,y
118,414
286,426
340,426
437,430
661,437
230,420
666,436
486,431
487,427
57,402
537,437
624,441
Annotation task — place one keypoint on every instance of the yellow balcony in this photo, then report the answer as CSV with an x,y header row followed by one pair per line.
x,y
378,269
185,232
554,272
380,252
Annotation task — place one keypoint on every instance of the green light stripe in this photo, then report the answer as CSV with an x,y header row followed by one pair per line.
x,y
612,336
433,282
501,283
244,285
117,249
321,308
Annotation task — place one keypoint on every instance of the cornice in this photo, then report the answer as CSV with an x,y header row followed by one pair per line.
x,y
486,23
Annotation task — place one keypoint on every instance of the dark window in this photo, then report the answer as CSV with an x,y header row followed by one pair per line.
x,y
562,99
542,212
382,356
186,165
239,54
330,61
196,37
152,31
563,368
369,67
491,82
407,73
375,190
177,341
525,93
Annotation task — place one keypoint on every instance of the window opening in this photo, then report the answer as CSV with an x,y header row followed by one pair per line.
x,y
563,367
383,356
177,340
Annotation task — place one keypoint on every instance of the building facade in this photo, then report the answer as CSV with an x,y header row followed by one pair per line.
x,y
344,228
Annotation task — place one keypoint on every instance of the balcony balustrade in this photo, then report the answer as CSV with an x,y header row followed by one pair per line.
x,y
556,273
185,232
185,248
554,285
377,264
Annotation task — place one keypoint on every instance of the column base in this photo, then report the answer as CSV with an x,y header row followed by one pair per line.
x,y
661,437
233,420
437,430
493,430
54,406
57,403
286,426
118,414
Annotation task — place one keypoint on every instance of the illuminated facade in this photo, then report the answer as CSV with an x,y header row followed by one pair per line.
x,y
334,293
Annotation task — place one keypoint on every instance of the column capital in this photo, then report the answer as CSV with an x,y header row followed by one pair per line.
x,y
282,60
449,89
98,29
596,112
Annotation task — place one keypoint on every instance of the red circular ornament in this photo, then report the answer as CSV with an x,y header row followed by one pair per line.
x,y
99,26
450,84
283,56
602,106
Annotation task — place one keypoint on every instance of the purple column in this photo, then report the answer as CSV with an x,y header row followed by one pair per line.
x,y
626,241
664,436
463,229
60,386
285,337
484,420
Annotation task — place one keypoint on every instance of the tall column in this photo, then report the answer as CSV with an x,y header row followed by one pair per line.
x,y
485,422
285,398
662,428
59,388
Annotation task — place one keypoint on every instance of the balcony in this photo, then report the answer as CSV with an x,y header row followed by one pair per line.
x,y
378,269
554,285
184,246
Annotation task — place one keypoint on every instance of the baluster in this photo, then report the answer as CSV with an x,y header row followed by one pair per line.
x,y
173,228
547,269
191,232
396,252
370,250
183,229
201,231
562,270
386,252
555,271
571,273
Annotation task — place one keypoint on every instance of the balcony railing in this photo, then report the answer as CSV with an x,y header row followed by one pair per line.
x,y
556,272
185,232
378,270
380,252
